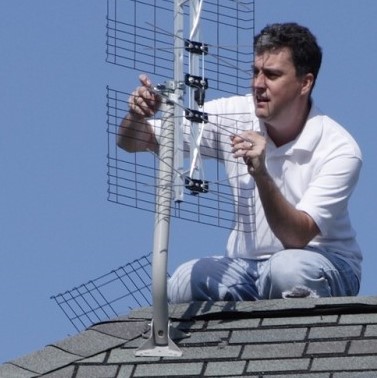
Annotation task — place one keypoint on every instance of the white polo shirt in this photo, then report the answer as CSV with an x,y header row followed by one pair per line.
x,y
316,173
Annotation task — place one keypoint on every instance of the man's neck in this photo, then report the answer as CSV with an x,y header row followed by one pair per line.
x,y
284,132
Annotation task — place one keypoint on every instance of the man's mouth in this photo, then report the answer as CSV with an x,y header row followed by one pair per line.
x,y
262,99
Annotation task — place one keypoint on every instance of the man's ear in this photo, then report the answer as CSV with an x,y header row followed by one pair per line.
x,y
307,83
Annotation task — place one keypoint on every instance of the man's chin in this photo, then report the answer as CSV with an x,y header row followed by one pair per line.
x,y
261,115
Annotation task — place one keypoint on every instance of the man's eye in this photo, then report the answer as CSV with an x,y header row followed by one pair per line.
x,y
272,75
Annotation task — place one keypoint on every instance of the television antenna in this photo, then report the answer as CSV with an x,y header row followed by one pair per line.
x,y
199,50
141,38
212,42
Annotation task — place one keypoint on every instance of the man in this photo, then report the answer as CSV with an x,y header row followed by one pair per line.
x,y
301,169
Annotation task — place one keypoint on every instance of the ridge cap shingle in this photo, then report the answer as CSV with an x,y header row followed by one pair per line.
x,y
292,306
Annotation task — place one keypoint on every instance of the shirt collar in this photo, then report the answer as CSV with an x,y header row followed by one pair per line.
x,y
305,141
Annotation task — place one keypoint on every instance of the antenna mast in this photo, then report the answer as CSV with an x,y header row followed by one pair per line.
x,y
160,342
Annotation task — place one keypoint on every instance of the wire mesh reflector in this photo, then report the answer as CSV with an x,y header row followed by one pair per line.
x,y
109,295
140,36
132,180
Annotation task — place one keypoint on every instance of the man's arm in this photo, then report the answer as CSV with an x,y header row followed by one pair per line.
x,y
135,134
294,228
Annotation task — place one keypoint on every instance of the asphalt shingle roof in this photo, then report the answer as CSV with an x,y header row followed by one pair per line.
x,y
296,338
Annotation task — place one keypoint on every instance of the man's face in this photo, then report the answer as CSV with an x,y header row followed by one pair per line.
x,y
275,85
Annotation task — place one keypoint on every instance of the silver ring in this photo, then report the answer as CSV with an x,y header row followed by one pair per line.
x,y
251,145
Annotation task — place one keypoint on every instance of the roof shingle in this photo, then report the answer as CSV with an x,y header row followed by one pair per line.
x,y
312,338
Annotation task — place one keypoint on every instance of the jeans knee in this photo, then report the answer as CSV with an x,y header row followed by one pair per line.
x,y
294,272
196,280
214,278
179,284
285,266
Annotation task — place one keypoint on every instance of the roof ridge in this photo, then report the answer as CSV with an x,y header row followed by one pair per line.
x,y
199,310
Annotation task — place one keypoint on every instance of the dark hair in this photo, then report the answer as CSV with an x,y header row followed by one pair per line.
x,y
306,53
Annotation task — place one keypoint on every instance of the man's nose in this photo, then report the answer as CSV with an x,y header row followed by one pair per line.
x,y
258,81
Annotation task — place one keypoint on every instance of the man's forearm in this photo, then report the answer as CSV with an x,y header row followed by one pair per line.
x,y
135,134
294,228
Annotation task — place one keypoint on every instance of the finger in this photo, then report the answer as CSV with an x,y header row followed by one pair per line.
x,y
244,140
132,101
144,80
136,104
242,145
239,152
146,94
236,139
143,107
248,144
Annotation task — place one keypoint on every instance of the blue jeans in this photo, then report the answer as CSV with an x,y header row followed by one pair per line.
x,y
288,273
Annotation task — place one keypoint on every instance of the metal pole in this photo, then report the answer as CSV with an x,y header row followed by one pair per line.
x,y
171,150
161,227
159,343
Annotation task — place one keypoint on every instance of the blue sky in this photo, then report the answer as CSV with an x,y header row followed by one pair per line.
x,y
57,228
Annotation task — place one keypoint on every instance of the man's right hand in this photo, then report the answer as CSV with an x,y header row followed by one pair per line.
x,y
135,134
144,102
